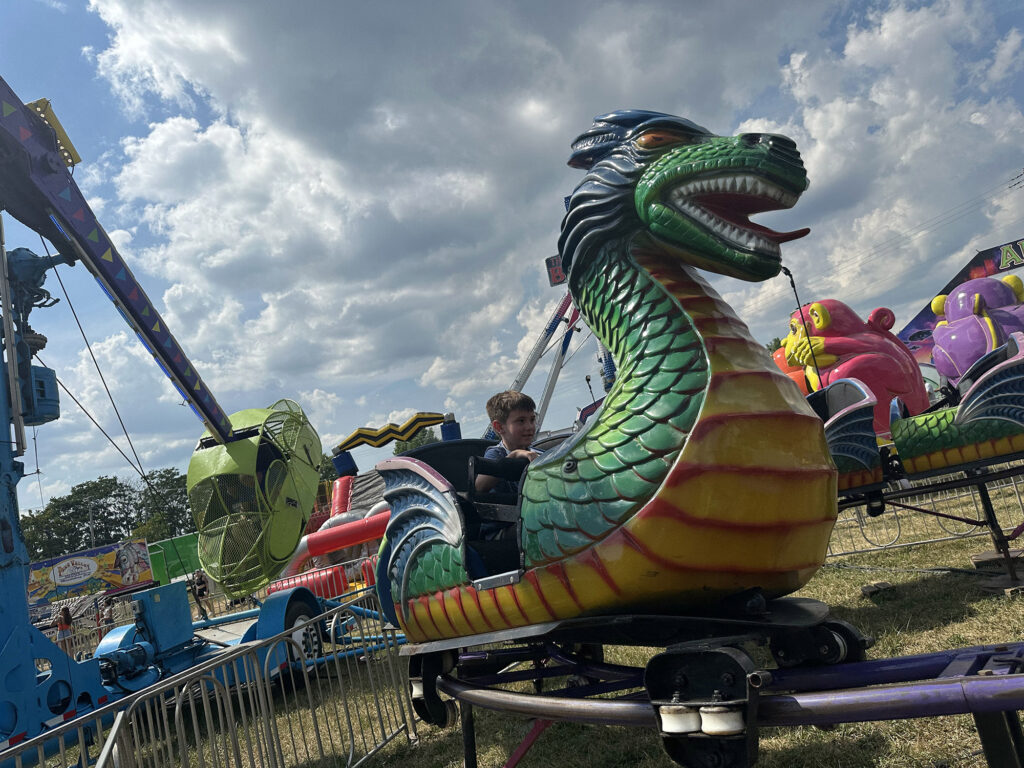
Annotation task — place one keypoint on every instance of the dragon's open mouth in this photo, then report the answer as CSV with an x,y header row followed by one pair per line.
x,y
722,205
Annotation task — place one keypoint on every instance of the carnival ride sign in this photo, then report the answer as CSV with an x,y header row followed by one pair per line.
x,y
110,568
556,275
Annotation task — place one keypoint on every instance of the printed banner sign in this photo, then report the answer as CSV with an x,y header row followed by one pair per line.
x,y
111,568
553,264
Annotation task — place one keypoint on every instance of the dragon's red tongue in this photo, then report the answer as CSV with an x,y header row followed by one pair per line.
x,y
737,210
785,237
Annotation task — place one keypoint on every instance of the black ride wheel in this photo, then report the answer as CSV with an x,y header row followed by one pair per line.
x,y
833,641
587,654
856,644
424,669
305,645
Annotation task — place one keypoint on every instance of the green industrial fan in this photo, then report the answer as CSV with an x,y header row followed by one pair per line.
x,y
251,497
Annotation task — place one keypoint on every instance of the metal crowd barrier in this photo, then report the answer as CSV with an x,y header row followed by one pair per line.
x,y
89,629
856,531
341,706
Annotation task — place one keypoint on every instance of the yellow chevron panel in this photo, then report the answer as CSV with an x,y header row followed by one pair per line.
x,y
378,437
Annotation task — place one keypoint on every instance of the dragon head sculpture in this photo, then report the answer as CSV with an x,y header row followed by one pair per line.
x,y
691,191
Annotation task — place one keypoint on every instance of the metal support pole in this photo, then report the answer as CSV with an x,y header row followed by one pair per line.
x,y
13,382
995,530
556,368
539,726
1001,738
468,734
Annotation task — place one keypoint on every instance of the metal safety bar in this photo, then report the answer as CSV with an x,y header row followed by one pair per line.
x,y
311,700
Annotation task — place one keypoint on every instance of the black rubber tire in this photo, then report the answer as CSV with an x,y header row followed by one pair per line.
x,y
310,640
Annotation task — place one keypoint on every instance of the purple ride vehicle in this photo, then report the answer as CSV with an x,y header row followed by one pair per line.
x,y
976,318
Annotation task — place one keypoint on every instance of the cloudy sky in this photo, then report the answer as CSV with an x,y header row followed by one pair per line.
x,y
349,204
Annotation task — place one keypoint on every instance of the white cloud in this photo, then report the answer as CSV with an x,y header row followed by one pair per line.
x,y
149,45
55,5
351,206
1007,59
905,159
401,416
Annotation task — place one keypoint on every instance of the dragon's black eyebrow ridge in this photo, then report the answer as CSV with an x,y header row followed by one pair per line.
x,y
611,129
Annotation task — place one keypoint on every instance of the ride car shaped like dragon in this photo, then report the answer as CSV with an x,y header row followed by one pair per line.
x,y
706,474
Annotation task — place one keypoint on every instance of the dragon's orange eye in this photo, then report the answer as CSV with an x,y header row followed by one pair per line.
x,y
656,139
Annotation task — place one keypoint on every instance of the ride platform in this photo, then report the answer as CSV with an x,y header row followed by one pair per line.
x,y
717,681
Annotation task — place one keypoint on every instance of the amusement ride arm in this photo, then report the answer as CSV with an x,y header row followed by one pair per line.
x,y
535,354
37,188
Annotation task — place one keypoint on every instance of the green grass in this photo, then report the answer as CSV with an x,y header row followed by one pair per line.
x,y
922,612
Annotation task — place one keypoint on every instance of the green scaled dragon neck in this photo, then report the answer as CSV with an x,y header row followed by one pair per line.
x,y
626,454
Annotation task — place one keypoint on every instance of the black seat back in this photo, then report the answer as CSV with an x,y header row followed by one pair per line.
x,y
505,469
834,398
450,458
986,363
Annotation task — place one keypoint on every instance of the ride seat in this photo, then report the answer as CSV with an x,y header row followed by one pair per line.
x,y
495,514
986,363
448,458
953,395
837,397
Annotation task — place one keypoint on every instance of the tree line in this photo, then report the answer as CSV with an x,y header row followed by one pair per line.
x,y
108,510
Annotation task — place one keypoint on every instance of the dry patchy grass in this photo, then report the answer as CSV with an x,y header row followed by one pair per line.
x,y
924,611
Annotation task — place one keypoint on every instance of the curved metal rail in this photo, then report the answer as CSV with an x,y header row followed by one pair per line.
x,y
706,686
925,698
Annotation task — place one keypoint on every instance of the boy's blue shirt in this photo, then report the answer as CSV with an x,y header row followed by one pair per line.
x,y
496,452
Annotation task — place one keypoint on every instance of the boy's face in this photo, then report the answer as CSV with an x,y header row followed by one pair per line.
x,y
518,431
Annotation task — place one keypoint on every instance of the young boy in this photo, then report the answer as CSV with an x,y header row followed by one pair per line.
x,y
513,417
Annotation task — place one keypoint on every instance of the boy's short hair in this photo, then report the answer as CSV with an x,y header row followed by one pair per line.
x,y
502,404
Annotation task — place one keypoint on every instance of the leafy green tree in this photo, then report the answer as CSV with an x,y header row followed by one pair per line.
x,y
328,474
773,344
46,533
422,437
94,513
104,509
108,510
164,505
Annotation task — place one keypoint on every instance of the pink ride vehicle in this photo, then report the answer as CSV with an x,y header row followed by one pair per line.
x,y
833,343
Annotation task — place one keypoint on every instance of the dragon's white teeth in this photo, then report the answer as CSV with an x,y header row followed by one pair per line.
x,y
742,184
742,237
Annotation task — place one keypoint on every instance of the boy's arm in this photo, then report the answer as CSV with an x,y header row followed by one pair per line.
x,y
484,483
523,453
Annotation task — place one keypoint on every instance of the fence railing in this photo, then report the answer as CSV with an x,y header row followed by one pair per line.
x,y
89,629
338,697
856,531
